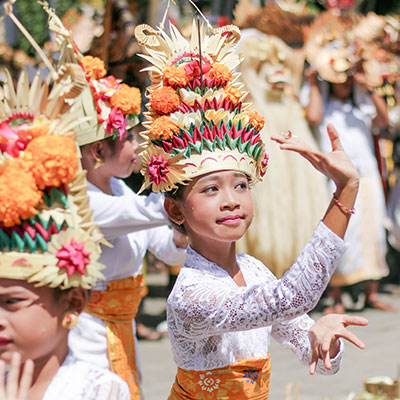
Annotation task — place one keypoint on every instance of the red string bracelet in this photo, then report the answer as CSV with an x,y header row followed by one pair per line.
x,y
344,208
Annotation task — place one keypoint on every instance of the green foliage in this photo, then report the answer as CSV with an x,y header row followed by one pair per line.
x,y
62,6
32,16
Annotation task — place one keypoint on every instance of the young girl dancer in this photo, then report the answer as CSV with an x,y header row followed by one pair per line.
x,y
203,149
105,335
49,245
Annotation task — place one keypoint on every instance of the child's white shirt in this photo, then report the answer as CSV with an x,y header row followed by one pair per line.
x,y
133,225
213,322
79,380
88,340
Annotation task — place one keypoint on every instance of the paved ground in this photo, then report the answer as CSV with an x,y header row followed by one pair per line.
x,y
290,379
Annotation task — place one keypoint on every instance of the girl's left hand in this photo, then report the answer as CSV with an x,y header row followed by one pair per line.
x,y
14,388
336,165
324,337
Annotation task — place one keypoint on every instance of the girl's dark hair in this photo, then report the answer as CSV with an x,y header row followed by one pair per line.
x,y
110,143
177,195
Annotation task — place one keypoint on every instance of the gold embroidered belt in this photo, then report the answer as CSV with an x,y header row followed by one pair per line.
x,y
117,306
248,379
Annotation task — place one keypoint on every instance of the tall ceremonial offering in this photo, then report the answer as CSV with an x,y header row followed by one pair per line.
x,y
197,121
47,234
106,107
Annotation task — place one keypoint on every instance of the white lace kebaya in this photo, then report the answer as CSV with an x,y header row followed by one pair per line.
x,y
213,322
79,380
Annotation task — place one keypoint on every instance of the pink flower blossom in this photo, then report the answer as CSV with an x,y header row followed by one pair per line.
x,y
264,164
10,142
116,122
192,68
111,82
73,257
158,169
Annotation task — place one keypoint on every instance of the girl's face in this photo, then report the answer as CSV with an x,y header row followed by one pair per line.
x,y
342,91
120,160
217,207
30,320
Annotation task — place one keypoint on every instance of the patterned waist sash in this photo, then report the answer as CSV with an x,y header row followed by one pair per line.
x,y
117,307
248,379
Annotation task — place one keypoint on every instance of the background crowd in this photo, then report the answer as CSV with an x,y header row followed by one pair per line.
x,y
305,64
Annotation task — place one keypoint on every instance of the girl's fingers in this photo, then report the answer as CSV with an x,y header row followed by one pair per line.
x,y
2,380
26,380
314,352
334,137
313,366
325,347
360,321
352,338
13,376
327,360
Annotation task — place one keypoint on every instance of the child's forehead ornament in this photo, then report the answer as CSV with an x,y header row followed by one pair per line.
x,y
47,233
197,121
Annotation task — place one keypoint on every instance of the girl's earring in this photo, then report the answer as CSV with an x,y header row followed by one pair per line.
x,y
70,319
179,221
98,163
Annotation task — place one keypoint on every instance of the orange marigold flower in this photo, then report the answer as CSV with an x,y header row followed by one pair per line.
x,y
221,73
94,67
233,94
51,159
175,76
164,128
127,99
256,119
19,195
40,127
165,100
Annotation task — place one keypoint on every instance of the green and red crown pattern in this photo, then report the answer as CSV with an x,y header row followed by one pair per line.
x,y
34,233
198,107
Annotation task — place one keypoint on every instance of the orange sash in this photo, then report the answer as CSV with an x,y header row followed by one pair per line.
x,y
117,307
247,379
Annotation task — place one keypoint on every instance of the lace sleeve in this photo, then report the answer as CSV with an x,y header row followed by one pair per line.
x,y
294,336
202,304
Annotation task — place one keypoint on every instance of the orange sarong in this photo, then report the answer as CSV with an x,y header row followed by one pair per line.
x,y
117,306
248,379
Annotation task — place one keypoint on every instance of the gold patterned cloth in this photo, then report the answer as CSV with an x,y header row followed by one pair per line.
x,y
117,306
247,379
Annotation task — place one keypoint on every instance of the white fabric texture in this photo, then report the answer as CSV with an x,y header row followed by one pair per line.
x,y
125,211
88,340
213,322
79,380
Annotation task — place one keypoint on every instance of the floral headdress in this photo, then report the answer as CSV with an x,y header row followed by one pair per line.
x,y
111,106
197,121
47,234
337,48
329,50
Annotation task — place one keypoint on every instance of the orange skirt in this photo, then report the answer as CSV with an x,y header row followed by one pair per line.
x,y
117,307
248,379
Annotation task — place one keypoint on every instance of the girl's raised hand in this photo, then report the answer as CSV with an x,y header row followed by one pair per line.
x,y
324,337
14,387
335,165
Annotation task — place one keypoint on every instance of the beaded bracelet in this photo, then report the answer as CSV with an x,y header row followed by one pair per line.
x,y
344,208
